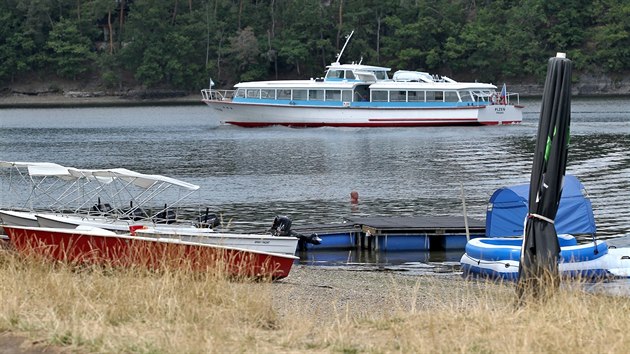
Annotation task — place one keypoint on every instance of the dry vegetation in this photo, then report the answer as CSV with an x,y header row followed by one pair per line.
x,y
313,310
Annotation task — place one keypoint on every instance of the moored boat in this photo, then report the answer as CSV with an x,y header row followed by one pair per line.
x,y
255,242
356,95
20,218
97,246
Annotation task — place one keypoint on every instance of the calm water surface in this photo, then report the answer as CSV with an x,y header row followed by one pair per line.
x,y
251,175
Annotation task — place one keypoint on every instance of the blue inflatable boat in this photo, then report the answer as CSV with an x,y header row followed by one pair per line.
x,y
498,258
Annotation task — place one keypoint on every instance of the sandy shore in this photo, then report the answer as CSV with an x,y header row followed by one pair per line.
x,y
324,292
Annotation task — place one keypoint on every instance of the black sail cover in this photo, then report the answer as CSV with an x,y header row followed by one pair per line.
x,y
540,253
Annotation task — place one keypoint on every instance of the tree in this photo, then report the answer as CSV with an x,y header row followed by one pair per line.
x,y
16,47
69,51
246,53
608,43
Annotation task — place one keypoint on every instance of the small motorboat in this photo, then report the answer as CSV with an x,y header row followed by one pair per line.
x,y
498,258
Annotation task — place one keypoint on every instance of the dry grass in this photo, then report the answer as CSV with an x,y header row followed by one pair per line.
x,y
314,310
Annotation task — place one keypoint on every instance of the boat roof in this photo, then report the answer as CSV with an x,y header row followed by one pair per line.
x,y
359,67
49,169
138,179
298,84
38,168
409,85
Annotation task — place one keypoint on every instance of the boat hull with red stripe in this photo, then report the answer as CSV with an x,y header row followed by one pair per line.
x,y
104,247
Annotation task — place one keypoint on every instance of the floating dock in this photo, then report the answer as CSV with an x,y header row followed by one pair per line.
x,y
400,233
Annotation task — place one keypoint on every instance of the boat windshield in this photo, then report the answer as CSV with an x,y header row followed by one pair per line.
x,y
381,75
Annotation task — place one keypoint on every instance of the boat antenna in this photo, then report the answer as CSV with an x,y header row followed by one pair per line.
x,y
344,47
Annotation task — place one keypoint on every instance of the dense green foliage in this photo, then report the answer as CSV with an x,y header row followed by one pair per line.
x,y
181,43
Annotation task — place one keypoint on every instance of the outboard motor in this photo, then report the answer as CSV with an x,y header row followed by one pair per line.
x,y
282,227
166,216
207,220
101,209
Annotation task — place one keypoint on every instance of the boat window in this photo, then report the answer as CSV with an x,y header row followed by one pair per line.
x,y
299,95
334,74
240,93
333,95
466,96
253,93
435,96
284,94
415,96
349,74
316,95
398,96
268,94
346,95
379,96
381,75
451,96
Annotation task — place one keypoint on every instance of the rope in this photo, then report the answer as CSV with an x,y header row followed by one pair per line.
x,y
479,262
538,216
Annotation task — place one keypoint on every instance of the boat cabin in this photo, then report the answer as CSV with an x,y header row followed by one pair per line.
x,y
353,83
356,72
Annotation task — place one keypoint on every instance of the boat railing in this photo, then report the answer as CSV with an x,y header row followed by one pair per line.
x,y
510,94
217,95
495,98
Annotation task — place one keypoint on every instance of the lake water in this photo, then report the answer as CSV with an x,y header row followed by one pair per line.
x,y
252,175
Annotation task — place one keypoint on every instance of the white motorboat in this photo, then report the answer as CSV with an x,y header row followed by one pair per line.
x,y
19,218
254,242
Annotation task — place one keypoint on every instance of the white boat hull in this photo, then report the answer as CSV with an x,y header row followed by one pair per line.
x,y
258,115
253,242
72,221
18,218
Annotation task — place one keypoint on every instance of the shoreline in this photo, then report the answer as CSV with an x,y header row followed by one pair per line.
x,y
65,101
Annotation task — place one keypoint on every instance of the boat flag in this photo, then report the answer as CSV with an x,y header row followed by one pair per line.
x,y
211,83
504,94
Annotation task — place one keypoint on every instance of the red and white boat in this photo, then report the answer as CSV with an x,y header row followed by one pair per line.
x,y
98,246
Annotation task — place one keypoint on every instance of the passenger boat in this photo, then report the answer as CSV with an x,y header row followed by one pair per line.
x,y
356,95
499,258
98,246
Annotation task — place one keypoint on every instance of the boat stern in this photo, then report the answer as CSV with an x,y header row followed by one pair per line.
x,y
498,114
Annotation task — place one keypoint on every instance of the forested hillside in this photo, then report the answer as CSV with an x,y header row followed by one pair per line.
x,y
180,44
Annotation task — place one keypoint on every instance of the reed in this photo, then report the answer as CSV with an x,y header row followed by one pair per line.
x,y
174,310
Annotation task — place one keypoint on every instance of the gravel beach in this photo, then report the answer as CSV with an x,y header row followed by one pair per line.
x,y
325,292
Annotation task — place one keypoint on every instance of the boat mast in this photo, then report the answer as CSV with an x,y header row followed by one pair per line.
x,y
344,47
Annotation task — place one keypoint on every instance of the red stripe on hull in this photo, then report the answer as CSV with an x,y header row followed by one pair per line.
x,y
398,124
120,251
